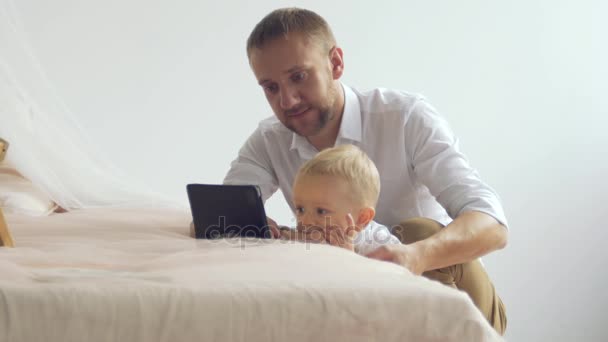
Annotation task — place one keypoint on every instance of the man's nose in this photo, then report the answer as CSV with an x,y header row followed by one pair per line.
x,y
289,98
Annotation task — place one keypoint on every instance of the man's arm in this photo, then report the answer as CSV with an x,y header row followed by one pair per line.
x,y
470,236
253,166
479,225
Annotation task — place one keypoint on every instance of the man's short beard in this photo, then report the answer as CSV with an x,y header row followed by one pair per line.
x,y
324,116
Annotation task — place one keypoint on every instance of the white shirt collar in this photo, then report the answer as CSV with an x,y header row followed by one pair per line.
x,y
350,127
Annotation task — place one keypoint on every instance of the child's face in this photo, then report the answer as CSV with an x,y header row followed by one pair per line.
x,y
323,201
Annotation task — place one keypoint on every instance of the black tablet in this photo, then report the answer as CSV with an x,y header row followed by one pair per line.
x,y
220,211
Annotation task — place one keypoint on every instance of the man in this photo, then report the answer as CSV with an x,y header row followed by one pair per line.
x,y
426,183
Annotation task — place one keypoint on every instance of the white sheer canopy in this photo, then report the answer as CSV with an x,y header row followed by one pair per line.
x,y
47,145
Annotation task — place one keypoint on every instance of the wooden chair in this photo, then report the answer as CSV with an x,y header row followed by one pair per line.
x,y
5,236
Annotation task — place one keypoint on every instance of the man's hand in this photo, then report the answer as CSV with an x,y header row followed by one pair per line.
x,y
407,256
470,235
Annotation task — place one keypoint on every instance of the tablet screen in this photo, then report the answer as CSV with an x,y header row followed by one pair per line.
x,y
220,211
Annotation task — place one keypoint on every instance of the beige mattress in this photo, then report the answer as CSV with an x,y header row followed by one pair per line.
x,y
135,275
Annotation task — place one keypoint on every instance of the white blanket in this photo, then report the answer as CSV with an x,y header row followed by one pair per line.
x,y
135,275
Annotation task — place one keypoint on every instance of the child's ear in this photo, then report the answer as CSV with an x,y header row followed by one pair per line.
x,y
364,217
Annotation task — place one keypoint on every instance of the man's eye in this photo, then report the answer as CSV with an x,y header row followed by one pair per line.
x,y
271,88
298,76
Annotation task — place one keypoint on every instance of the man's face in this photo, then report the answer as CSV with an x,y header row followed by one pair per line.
x,y
297,76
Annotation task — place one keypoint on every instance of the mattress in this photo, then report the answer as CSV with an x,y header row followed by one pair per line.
x,y
125,274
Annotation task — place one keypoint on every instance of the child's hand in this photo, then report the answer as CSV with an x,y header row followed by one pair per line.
x,y
303,235
342,236
311,234
288,234
274,228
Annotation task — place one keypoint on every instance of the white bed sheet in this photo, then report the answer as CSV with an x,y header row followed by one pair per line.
x,y
136,275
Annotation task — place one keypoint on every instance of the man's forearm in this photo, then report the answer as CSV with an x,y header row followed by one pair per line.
x,y
471,235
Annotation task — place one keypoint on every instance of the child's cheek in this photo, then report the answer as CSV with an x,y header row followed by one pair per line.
x,y
334,222
329,221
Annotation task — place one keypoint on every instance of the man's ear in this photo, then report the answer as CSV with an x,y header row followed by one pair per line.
x,y
336,58
364,217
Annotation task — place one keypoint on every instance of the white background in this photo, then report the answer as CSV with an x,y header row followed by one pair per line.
x,y
165,90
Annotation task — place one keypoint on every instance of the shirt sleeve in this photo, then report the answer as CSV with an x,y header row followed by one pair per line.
x,y
253,166
439,165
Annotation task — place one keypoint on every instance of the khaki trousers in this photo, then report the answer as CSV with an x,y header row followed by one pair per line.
x,y
469,277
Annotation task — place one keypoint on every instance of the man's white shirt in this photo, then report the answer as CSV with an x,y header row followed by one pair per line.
x,y
422,171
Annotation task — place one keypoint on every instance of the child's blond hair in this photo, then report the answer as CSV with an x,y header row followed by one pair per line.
x,y
351,164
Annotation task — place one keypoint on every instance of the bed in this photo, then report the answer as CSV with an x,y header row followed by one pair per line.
x,y
126,274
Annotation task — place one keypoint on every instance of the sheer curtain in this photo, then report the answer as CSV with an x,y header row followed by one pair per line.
x,y
47,145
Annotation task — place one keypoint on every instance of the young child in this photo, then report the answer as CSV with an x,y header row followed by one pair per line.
x,y
335,195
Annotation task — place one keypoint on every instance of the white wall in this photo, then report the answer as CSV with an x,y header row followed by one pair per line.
x,y
165,88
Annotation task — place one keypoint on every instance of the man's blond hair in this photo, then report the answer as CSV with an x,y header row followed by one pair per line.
x,y
351,164
280,22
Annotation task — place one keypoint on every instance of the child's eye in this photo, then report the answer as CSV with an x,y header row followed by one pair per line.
x,y
321,211
299,210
